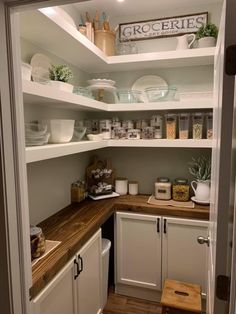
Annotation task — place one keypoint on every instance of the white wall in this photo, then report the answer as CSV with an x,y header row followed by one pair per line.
x,y
49,184
146,164
162,44
28,50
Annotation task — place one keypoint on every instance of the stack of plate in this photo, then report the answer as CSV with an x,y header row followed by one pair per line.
x,y
36,134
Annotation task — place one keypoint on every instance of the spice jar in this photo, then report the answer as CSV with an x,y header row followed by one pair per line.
x,y
37,241
209,125
170,126
184,126
163,189
197,125
180,190
148,133
133,134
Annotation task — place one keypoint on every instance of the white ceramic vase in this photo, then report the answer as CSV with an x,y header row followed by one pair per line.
x,y
206,42
201,190
66,87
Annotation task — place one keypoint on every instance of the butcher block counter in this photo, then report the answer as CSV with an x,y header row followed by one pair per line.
x,y
75,224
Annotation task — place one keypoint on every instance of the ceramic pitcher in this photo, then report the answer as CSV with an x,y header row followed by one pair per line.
x,y
183,41
201,190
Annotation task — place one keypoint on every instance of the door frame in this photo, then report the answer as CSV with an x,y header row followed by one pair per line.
x,y
14,219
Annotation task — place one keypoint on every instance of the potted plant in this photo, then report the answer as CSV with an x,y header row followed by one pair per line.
x,y
200,168
207,35
59,76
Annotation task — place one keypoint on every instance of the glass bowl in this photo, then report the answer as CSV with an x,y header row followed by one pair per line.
x,y
36,133
79,133
129,96
83,91
161,93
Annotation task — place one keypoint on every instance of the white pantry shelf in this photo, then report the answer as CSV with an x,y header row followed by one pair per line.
x,y
42,94
38,153
191,104
49,31
189,143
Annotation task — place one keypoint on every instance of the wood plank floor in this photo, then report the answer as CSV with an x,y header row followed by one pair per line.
x,y
118,304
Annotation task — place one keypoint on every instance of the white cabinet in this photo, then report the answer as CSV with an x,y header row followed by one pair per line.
x,y
76,289
183,258
150,249
88,285
58,297
138,249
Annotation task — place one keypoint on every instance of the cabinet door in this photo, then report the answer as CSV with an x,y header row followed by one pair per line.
x,y
138,250
183,258
58,297
89,282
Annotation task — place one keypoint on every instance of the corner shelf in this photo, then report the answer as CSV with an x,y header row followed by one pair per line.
x,y
189,143
42,94
38,153
48,30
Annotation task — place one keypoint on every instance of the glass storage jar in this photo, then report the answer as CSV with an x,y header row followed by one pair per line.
x,y
180,190
163,189
37,242
170,126
198,119
184,126
209,125
157,124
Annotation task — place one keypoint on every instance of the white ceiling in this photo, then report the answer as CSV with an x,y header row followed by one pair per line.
x,y
137,7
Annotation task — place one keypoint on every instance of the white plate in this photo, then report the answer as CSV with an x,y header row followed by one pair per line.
x,y
40,67
193,198
101,197
147,81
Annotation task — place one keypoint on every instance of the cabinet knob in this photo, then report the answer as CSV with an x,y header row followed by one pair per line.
x,y
203,240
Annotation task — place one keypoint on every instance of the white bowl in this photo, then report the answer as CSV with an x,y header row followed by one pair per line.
x,y
95,137
61,131
26,70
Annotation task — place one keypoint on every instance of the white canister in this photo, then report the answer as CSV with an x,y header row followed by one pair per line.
x,y
133,187
26,70
121,186
105,129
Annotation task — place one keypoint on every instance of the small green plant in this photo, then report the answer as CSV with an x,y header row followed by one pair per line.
x,y
209,30
60,73
200,168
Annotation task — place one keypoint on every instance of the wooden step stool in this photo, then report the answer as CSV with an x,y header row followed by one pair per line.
x,y
180,298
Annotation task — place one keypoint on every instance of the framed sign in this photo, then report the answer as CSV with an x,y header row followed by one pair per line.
x,y
164,27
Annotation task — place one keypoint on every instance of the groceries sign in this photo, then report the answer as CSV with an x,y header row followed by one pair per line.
x,y
165,27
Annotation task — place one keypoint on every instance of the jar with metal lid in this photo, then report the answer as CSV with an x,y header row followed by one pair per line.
x,y
37,241
180,191
105,128
163,189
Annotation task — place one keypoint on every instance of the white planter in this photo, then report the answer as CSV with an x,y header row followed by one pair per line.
x,y
206,42
66,87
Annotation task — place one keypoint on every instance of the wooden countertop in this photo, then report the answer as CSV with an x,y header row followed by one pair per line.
x,y
75,224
